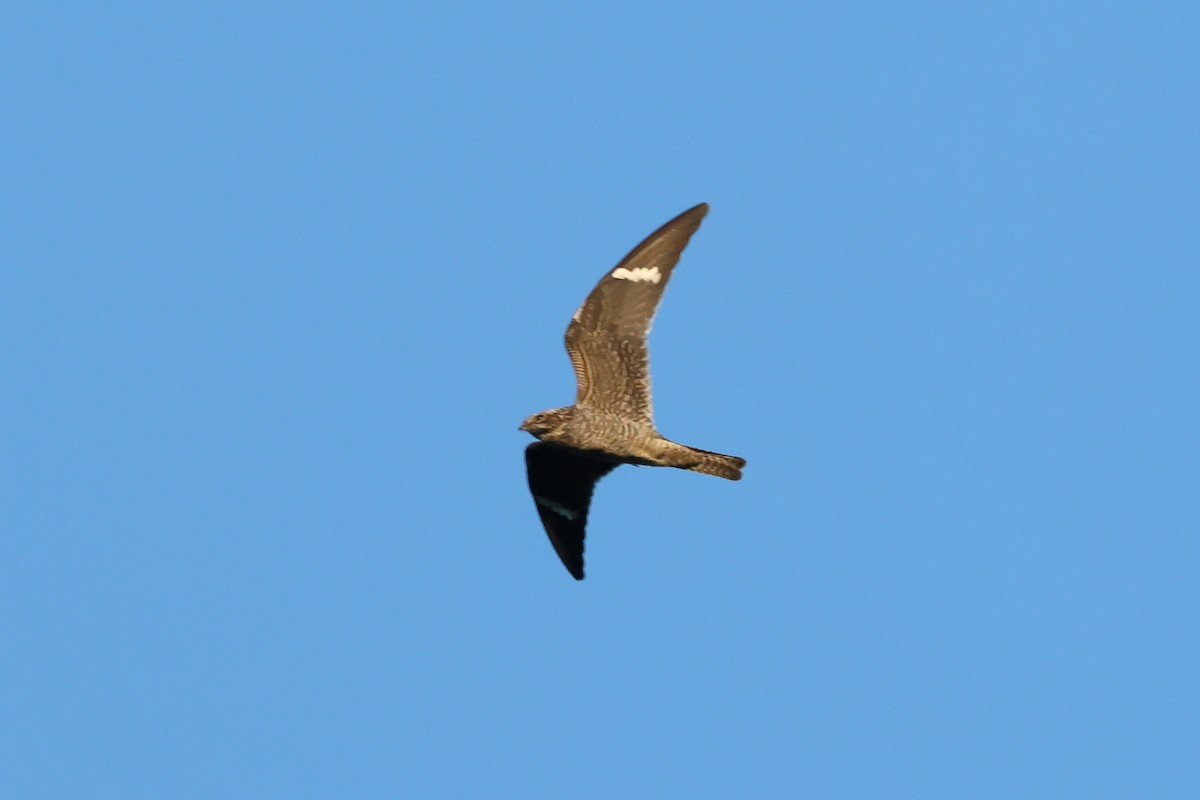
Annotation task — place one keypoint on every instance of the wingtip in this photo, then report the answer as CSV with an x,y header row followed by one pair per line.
x,y
688,219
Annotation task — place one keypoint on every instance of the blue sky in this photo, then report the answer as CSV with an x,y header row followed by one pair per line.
x,y
279,284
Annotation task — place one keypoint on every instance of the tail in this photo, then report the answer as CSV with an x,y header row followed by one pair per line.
x,y
718,464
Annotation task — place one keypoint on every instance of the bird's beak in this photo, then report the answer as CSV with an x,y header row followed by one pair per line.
x,y
524,426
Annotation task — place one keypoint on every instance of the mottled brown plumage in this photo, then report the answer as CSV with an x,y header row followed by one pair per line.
x,y
611,422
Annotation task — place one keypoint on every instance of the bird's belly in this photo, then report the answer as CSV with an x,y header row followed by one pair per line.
x,y
621,439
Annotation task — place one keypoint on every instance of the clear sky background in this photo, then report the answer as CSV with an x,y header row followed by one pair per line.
x,y
279,282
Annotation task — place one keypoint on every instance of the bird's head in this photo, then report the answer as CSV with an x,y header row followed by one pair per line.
x,y
546,423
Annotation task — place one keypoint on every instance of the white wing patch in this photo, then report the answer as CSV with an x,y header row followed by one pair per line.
x,y
638,274
557,508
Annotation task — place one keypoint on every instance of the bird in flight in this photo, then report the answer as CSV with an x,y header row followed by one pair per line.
x,y
611,422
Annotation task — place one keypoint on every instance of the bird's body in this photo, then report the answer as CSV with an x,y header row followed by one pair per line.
x,y
611,422
624,440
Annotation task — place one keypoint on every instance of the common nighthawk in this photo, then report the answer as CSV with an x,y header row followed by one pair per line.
x,y
612,421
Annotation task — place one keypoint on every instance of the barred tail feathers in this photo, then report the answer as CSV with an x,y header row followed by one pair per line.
x,y
719,464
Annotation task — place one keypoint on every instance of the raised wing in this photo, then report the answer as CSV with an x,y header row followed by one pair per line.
x,y
606,339
561,481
